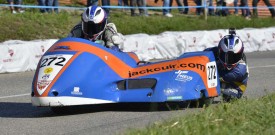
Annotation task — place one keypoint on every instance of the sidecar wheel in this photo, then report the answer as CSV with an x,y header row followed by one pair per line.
x,y
206,101
61,110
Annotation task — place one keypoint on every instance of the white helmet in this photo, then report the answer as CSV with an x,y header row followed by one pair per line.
x,y
230,51
94,20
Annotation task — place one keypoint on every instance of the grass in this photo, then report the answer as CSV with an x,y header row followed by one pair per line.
x,y
34,25
241,117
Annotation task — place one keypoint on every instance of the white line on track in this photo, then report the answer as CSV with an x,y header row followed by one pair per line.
x,y
20,95
261,66
11,96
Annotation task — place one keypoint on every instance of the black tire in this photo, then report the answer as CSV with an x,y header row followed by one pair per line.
x,y
62,110
57,110
226,98
206,101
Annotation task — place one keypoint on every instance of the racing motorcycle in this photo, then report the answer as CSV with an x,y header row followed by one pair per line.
x,y
76,71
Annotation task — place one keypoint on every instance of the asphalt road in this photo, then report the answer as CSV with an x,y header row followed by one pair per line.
x,y
18,116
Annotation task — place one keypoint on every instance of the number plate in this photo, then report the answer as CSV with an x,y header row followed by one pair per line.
x,y
211,74
49,67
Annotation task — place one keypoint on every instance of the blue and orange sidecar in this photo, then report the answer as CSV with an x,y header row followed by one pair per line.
x,y
78,72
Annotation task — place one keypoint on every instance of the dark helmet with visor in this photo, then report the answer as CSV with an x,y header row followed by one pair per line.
x,y
230,51
94,20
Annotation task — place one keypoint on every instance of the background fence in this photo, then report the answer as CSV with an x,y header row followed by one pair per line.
x,y
262,11
262,8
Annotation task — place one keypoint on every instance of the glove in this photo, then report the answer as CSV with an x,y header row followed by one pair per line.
x,y
112,36
156,1
117,39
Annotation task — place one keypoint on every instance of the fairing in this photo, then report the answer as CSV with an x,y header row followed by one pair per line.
x,y
77,72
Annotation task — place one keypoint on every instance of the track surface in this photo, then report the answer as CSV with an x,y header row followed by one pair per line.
x,y
18,116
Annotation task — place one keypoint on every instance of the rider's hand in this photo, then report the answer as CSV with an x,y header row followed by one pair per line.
x,y
117,39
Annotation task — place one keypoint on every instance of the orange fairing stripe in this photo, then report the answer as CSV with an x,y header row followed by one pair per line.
x,y
196,64
111,60
134,56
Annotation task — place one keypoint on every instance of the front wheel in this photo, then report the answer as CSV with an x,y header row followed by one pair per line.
x,y
66,110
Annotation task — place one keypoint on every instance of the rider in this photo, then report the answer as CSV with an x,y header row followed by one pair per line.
x,y
232,65
94,26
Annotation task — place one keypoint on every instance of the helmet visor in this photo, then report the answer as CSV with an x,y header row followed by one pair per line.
x,y
91,29
230,58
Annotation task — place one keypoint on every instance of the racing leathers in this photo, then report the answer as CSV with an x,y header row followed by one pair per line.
x,y
109,37
233,81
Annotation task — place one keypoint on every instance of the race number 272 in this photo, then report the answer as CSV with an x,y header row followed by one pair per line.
x,y
58,61
211,74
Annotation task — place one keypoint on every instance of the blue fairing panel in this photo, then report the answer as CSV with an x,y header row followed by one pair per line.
x,y
76,71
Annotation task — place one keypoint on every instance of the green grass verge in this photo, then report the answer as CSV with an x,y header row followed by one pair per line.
x,y
34,25
249,117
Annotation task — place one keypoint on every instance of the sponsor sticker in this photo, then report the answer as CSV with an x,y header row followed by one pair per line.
x,y
42,84
174,98
166,67
49,68
181,76
168,91
46,76
211,69
76,91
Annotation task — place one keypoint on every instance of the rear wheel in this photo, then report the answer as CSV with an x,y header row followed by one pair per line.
x,y
205,101
177,105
